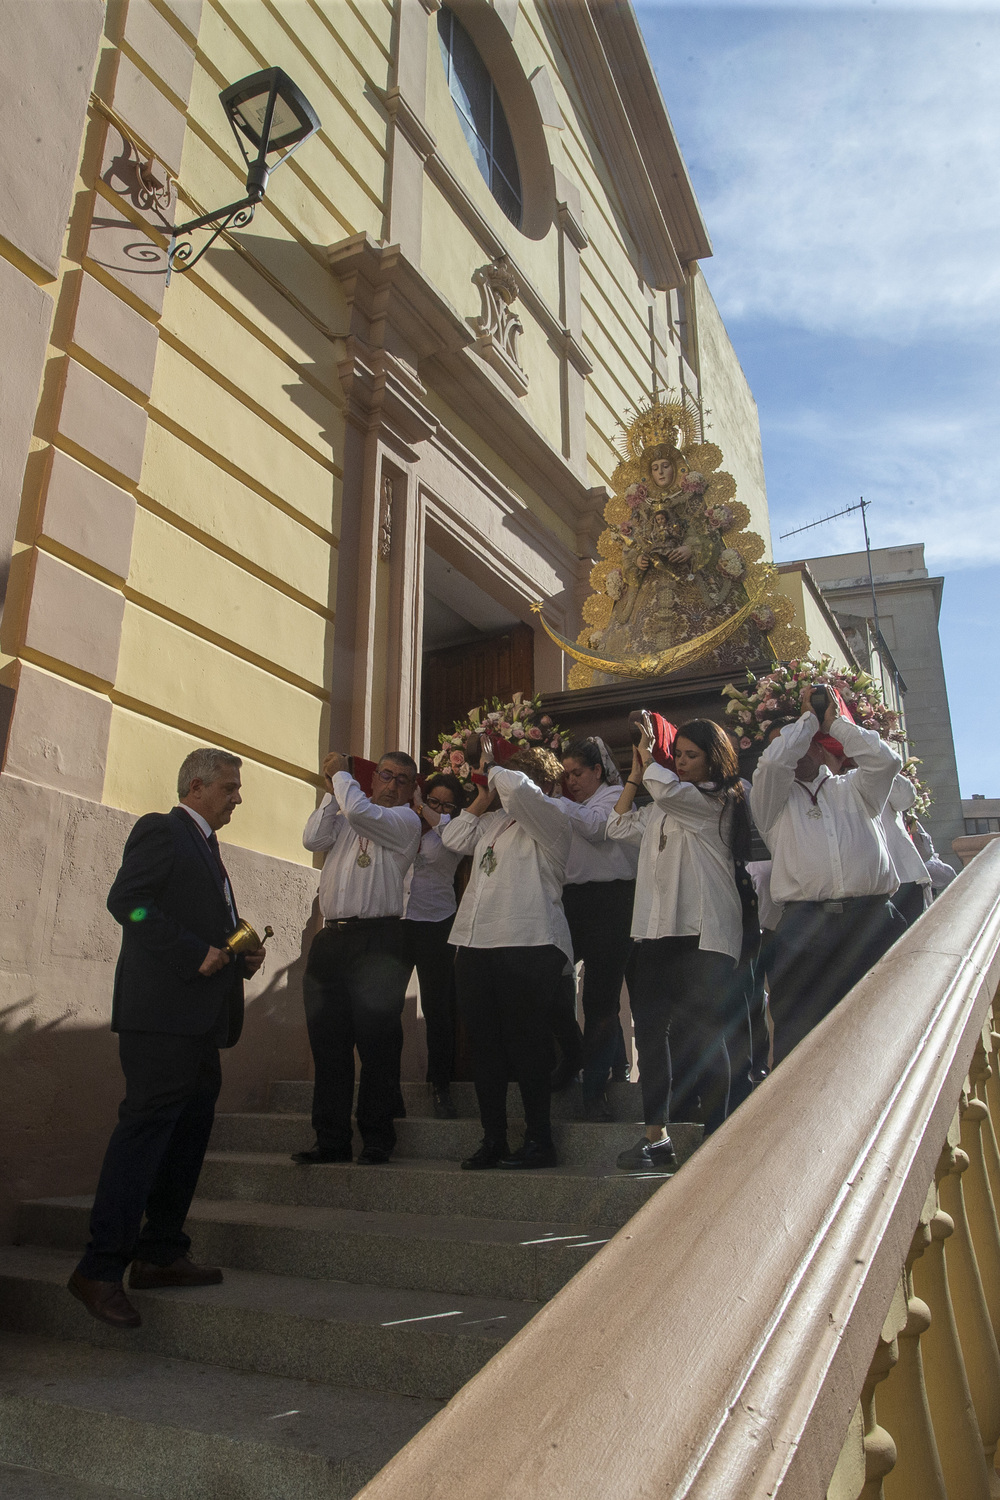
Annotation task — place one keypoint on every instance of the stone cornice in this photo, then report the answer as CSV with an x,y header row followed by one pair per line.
x,y
626,53
381,392
596,79
408,122
392,304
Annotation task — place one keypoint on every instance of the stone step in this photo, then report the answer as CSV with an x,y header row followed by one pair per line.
x,y
18,1483
172,1429
525,1261
577,1144
294,1096
414,1343
582,1195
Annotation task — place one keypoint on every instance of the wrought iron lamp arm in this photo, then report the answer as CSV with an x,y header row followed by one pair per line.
x,y
234,215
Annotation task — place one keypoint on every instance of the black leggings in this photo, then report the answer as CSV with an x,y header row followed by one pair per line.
x,y
682,991
599,914
430,953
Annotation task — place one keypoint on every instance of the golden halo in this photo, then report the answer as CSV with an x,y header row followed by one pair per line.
x,y
672,419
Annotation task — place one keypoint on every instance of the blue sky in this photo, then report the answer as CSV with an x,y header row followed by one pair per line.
x,y
846,159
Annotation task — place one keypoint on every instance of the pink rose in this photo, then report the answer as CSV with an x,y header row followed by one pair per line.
x,y
555,743
534,733
744,743
505,729
545,721
457,758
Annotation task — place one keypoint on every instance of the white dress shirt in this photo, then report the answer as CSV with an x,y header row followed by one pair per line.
x,y
902,850
429,888
348,825
592,855
825,836
206,830
686,884
768,911
519,904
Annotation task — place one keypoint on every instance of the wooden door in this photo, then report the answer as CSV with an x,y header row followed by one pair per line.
x,y
462,677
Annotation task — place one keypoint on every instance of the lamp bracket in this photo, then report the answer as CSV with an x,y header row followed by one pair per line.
x,y
181,255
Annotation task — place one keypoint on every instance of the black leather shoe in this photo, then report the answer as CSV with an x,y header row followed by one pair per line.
x,y
317,1154
649,1156
144,1275
565,1073
105,1300
488,1155
532,1154
373,1156
444,1105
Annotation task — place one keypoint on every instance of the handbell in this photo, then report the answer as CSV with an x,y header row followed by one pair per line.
x,y
243,939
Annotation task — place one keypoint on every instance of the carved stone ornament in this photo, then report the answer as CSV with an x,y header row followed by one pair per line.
x,y
498,326
385,519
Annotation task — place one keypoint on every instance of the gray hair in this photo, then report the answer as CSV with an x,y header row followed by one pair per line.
x,y
203,765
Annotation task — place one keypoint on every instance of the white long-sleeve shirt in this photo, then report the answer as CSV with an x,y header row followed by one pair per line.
x,y
592,855
519,904
686,884
825,836
429,887
348,825
902,850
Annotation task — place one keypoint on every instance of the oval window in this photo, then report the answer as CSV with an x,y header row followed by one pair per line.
x,y
480,114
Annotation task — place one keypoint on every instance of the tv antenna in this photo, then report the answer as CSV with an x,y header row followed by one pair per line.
x,y
862,506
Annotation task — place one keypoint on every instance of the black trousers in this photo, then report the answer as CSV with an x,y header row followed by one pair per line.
x,y
599,914
909,902
504,998
680,996
154,1157
429,952
354,988
821,952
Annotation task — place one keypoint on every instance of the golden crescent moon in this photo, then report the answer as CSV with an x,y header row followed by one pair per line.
x,y
672,660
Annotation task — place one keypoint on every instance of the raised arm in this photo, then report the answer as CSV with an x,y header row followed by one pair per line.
x,y
775,773
395,828
877,763
324,826
462,834
540,816
681,799
902,794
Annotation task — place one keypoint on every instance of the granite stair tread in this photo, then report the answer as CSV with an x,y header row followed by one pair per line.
x,y
417,1343
294,1096
20,1483
182,1430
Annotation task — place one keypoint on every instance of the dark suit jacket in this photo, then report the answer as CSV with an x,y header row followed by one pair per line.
x,y
170,900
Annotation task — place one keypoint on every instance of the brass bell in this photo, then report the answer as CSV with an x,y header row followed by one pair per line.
x,y
243,939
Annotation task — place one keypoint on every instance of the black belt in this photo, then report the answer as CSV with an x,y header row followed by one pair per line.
x,y
845,903
344,922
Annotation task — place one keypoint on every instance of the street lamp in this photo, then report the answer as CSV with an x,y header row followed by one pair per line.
x,y
274,115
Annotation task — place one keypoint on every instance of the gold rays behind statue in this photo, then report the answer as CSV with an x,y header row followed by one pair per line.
x,y
673,422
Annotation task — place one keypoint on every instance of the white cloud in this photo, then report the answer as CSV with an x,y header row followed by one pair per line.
x,y
846,163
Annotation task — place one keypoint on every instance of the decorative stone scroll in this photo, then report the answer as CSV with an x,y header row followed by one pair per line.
x,y
385,519
498,326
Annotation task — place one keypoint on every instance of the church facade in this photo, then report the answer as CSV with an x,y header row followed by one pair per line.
x,y
285,500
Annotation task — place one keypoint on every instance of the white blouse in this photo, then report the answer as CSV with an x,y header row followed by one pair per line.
x,y
902,850
826,838
519,853
686,884
429,889
350,827
592,855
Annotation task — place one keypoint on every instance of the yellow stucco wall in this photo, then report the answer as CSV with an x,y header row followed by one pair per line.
x,y
813,618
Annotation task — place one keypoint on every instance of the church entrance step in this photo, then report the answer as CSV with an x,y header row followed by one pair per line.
x,y
425,1252
177,1430
294,1096
425,1344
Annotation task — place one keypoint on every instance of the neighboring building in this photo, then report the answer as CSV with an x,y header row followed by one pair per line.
x,y
981,814
908,658
377,423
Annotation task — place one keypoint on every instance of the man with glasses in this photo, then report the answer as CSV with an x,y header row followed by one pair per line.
x,y
356,974
429,910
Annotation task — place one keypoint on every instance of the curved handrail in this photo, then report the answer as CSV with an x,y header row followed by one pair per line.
x,y
717,1345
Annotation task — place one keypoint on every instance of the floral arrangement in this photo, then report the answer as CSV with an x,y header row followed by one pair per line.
x,y
924,794
521,721
778,695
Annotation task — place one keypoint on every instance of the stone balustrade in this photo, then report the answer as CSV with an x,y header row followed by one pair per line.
x,y
810,1307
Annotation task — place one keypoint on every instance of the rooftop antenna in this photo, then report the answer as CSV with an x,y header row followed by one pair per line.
x,y
862,506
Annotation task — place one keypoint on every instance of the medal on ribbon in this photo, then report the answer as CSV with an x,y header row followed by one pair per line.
x,y
364,859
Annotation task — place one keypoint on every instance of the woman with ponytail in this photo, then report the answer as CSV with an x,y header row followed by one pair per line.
x,y
687,923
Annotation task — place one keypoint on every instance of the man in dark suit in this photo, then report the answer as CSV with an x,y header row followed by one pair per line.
x,y
178,998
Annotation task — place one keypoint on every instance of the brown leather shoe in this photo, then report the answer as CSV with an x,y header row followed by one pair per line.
x,y
105,1300
183,1272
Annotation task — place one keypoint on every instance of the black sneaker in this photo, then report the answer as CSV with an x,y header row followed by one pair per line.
x,y
318,1155
649,1156
531,1155
621,1074
488,1155
444,1105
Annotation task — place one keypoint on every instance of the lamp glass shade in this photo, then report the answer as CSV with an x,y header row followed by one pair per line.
x,y
246,102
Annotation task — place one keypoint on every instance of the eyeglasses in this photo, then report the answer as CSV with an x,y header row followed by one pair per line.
x,y
402,778
444,807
